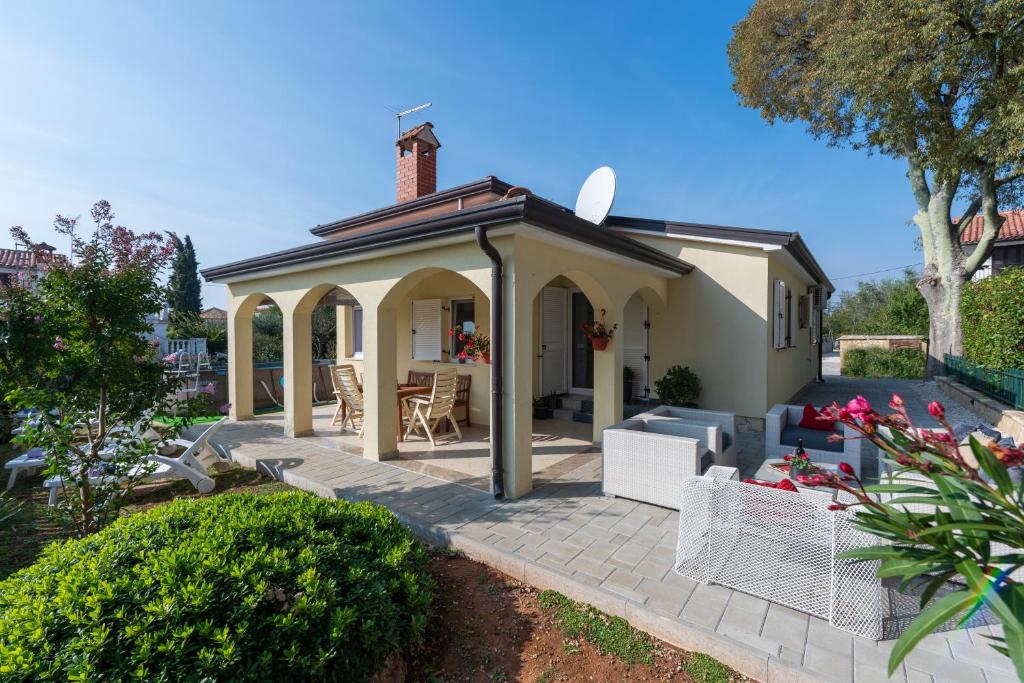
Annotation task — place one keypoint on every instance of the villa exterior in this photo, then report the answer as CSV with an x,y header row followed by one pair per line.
x,y
740,307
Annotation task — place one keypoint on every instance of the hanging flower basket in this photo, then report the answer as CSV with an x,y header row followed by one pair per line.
x,y
598,333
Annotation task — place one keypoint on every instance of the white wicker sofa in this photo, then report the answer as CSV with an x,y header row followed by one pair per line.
x,y
724,447
782,433
648,459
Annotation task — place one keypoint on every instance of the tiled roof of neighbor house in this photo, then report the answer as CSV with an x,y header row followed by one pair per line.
x,y
1012,228
214,313
17,258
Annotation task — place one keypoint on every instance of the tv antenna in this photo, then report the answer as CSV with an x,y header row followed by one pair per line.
x,y
399,115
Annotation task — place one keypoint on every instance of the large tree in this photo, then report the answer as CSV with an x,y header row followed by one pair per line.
x,y
936,83
183,289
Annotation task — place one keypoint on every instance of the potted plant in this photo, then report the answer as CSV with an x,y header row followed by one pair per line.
x,y
542,408
799,462
478,344
598,333
679,387
627,383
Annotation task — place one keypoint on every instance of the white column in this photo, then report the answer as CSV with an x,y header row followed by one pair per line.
x,y
517,390
298,371
380,373
239,362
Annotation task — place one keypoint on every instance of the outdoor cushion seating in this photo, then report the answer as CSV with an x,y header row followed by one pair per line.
x,y
725,449
648,459
782,435
190,465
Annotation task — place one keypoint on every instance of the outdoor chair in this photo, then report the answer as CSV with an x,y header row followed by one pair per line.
x,y
427,412
347,384
190,465
783,433
462,395
648,459
724,448
27,462
420,379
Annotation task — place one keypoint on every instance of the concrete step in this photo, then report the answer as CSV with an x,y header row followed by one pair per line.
x,y
582,404
563,414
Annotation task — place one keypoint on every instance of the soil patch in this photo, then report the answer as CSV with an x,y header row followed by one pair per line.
x,y
489,627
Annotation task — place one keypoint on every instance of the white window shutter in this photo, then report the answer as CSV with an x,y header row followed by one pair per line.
x,y
634,342
426,329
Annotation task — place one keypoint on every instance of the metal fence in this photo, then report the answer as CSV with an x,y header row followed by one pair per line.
x,y
1005,385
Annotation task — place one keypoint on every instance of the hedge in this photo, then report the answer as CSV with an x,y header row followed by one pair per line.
x,y
235,587
874,362
993,320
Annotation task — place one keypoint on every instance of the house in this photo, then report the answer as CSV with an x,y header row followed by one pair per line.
x,y
214,315
1009,245
158,323
740,307
24,262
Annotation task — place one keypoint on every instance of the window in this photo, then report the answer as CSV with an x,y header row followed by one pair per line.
x,y
464,316
357,332
426,329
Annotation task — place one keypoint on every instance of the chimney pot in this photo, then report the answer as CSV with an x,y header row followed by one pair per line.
x,y
416,173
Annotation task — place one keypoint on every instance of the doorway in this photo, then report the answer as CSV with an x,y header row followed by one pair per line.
x,y
582,361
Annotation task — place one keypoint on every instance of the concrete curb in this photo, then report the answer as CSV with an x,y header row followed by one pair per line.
x,y
748,660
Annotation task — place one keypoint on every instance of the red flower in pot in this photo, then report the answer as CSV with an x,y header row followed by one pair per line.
x,y
599,333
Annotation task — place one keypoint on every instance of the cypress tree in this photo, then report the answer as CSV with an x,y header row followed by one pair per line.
x,y
183,289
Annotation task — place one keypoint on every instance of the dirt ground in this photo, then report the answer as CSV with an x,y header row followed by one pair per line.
x,y
488,627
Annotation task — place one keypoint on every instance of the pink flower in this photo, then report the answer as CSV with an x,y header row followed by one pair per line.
x,y
859,408
38,319
896,403
225,409
936,409
462,337
787,458
836,506
846,468
803,479
817,480
209,389
451,333
170,358
154,343
59,344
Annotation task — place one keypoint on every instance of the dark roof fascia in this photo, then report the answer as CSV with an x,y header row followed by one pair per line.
x,y
530,209
488,184
790,241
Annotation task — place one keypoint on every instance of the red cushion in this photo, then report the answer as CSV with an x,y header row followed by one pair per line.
x,y
786,485
812,420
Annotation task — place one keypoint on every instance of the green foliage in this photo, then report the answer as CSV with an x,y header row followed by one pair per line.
x,y
268,328
191,326
993,311
678,387
868,362
704,668
235,587
611,635
184,292
72,347
890,306
951,525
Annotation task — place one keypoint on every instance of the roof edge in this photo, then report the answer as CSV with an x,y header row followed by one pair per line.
x,y
488,184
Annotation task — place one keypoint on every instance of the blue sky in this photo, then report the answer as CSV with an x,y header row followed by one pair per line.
x,y
245,124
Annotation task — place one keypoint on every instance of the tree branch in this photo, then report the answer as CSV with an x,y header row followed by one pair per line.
x,y
993,221
917,177
968,216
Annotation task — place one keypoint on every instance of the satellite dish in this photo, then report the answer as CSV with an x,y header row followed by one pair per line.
x,y
596,196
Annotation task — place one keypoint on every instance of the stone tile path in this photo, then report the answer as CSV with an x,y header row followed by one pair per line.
x,y
615,554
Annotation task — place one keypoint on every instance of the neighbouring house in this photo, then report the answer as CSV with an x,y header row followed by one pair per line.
x,y
215,315
739,306
25,263
159,322
1009,245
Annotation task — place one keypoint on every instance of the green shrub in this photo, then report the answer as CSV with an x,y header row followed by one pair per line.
x,y
678,387
235,587
993,320
191,326
869,362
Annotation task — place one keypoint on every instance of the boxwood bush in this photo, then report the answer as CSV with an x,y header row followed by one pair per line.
x,y
869,362
235,587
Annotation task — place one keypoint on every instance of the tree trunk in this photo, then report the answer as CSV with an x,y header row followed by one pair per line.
x,y
942,294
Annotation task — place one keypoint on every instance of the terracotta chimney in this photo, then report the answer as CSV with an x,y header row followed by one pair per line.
x,y
417,162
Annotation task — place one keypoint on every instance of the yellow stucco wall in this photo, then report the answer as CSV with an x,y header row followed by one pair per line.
x,y
791,368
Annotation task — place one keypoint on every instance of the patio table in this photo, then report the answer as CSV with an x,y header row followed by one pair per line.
x,y
404,391
768,473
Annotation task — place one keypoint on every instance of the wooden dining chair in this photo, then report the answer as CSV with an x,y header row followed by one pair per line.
x,y
347,383
427,412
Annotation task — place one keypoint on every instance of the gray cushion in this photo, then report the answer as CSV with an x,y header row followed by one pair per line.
x,y
813,438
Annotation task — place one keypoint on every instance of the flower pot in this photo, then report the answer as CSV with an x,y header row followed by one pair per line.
x,y
627,390
486,357
599,343
542,413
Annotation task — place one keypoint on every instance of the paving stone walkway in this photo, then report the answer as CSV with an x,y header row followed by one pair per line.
x,y
616,555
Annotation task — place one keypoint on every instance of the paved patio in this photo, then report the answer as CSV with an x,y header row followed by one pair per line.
x,y
614,554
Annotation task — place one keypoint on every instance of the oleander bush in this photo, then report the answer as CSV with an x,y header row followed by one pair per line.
x,y
993,315
236,587
904,363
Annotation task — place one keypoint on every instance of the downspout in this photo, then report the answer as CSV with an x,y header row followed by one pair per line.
x,y
497,344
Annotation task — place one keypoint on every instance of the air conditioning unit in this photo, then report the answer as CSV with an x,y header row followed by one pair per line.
x,y
819,296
